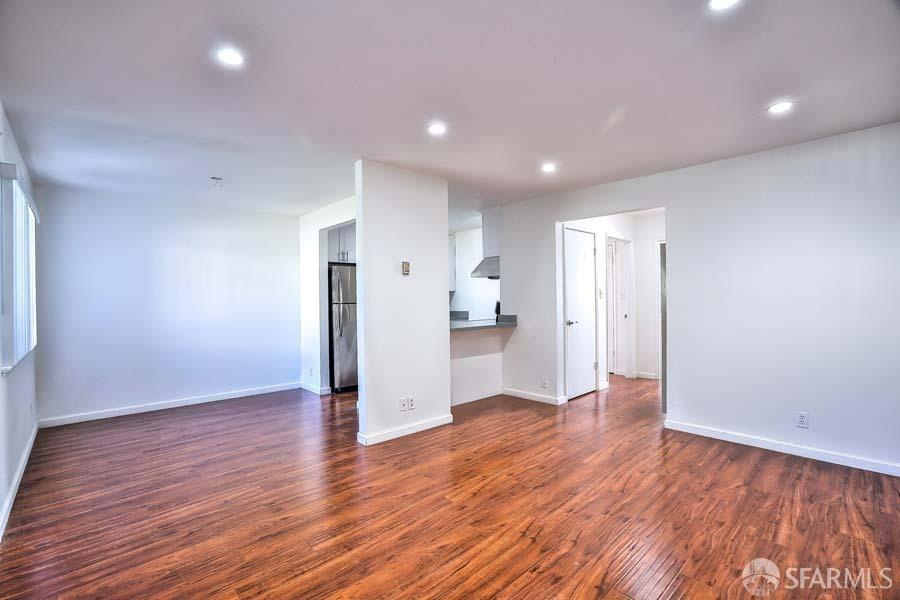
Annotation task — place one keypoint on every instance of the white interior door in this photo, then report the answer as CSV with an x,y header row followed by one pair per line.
x,y
611,308
580,290
626,332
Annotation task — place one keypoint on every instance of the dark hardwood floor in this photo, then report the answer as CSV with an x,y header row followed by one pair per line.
x,y
271,497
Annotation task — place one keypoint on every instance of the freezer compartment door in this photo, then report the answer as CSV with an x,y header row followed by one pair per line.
x,y
343,319
343,283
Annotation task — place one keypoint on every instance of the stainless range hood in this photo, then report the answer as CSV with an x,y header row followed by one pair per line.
x,y
488,267
490,245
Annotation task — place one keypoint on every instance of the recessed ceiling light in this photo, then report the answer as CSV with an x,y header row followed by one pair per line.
x,y
230,57
548,167
781,107
437,128
720,5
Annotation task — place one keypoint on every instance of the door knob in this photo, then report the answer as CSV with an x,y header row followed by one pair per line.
x,y
571,322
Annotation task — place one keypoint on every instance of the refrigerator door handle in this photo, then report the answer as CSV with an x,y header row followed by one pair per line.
x,y
341,321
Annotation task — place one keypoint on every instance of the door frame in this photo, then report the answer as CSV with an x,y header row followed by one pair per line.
x,y
610,291
601,379
325,342
662,316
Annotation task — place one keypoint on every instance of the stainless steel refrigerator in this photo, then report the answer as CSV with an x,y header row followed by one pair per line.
x,y
342,290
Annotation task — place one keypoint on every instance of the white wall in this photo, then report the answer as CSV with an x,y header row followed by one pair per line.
x,y
782,294
146,305
18,422
314,291
478,295
649,230
476,364
403,327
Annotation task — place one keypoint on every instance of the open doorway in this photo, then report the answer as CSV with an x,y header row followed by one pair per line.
x,y
613,317
338,341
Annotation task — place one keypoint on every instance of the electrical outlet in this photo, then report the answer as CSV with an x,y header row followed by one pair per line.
x,y
411,402
404,404
545,382
803,420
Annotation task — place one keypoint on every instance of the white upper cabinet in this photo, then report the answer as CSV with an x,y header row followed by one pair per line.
x,y
348,242
342,243
334,245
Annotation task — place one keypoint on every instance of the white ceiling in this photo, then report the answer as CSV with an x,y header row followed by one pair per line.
x,y
123,95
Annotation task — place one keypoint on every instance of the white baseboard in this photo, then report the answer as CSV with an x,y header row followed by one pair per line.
x,y
647,375
151,406
475,398
848,460
626,374
390,434
320,391
6,509
546,399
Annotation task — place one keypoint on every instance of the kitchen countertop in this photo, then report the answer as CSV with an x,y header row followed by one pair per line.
x,y
505,322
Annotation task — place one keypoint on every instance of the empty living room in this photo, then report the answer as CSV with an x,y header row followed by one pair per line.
x,y
391,299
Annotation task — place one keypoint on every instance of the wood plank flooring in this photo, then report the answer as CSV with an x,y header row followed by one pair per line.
x,y
271,497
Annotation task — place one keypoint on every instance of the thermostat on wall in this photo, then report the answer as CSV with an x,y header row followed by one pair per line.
x,y
404,268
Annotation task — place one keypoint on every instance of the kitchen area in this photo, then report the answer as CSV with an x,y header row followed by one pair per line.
x,y
342,316
478,328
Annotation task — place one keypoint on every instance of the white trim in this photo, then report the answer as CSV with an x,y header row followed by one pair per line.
x,y
9,171
14,484
556,400
151,406
604,385
659,315
839,458
390,434
647,375
321,391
